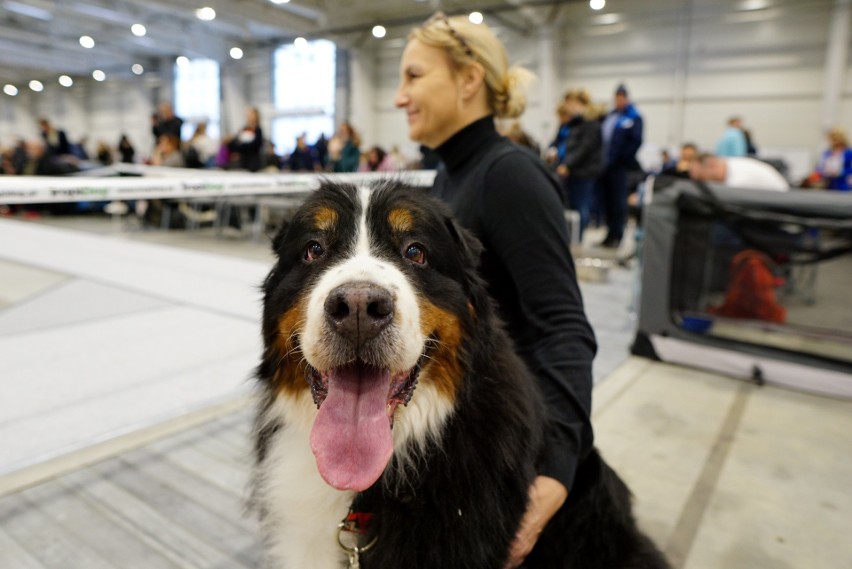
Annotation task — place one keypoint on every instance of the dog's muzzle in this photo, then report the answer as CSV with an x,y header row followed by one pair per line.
x,y
359,392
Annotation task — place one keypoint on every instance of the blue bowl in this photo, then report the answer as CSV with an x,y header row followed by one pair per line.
x,y
698,324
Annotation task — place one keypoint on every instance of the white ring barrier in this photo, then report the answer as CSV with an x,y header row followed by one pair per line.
x,y
179,183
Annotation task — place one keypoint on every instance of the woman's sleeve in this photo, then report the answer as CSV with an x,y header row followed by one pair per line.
x,y
524,226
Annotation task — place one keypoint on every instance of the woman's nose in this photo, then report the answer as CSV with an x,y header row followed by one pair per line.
x,y
400,99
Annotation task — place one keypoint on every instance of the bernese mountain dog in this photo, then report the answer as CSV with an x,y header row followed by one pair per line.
x,y
391,399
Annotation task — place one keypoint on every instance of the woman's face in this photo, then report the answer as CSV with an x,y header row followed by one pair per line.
x,y
429,91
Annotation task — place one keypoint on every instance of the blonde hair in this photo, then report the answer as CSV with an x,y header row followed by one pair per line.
x,y
597,111
466,43
837,133
590,111
582,96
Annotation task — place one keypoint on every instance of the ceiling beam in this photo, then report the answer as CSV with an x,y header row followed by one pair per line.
x,y
281,16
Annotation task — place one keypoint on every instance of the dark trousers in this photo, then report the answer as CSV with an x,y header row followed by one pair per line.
x,y
614,193
580,197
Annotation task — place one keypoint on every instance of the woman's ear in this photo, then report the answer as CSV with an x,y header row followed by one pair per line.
x,y
472,79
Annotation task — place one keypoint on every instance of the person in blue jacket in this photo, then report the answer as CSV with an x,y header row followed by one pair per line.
x,y
622,136
734,141
835,165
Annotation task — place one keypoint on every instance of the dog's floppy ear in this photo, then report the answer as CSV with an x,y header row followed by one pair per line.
x,y
279,236
470,247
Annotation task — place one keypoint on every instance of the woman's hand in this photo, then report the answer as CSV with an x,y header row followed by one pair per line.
x,y
546,497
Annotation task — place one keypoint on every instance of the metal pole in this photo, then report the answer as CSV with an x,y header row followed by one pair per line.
x,y
836,57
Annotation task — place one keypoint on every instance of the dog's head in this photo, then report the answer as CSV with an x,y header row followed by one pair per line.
x,y
369,301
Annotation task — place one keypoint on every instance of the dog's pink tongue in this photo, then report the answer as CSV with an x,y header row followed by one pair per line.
x,y
351,436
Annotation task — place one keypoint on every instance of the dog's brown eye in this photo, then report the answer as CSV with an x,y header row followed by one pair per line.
x,y
416,254
314,251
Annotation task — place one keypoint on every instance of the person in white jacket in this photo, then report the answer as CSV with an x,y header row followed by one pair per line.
x,y
738,172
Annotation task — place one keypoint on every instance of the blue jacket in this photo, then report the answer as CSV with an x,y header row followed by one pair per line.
x,y
626,138
842,182
561,140
732,143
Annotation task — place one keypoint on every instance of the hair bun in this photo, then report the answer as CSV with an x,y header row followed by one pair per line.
x,y
511,101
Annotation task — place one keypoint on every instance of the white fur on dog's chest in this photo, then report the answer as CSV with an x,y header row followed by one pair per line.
x,y
303,510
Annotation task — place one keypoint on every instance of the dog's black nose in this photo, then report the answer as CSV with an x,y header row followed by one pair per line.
x,y
359,311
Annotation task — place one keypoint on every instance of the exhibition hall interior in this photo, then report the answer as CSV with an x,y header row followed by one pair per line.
x,y
656,194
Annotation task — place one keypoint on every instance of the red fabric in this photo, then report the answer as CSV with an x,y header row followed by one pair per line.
x,y
358,522
751,289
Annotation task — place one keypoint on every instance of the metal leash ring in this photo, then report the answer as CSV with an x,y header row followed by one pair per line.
x,y
341,527
354,553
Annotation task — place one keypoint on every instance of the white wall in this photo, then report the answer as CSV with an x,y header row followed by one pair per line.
x,y
98,111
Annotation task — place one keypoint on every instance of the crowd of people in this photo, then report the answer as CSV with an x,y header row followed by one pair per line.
x,y
247,150
594,156
593,153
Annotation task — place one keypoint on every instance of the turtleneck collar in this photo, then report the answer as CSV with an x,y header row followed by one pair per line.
x,y
458,149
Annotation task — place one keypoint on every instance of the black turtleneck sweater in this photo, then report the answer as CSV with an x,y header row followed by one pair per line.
x,y
507,198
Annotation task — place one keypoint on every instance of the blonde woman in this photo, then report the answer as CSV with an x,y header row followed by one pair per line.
x,y
581,160
835,165
455,79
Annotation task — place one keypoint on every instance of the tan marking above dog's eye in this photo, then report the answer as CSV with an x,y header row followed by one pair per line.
x,y
400,220
325,218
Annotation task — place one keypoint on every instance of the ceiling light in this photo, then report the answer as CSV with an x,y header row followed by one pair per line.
x,y
379,31
10,90
754,5
36,86
182,61
65,81
300,42
236,53
138,30
207,13
137,69
475,17
606,19
597,4
279,1
87,42
98,75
